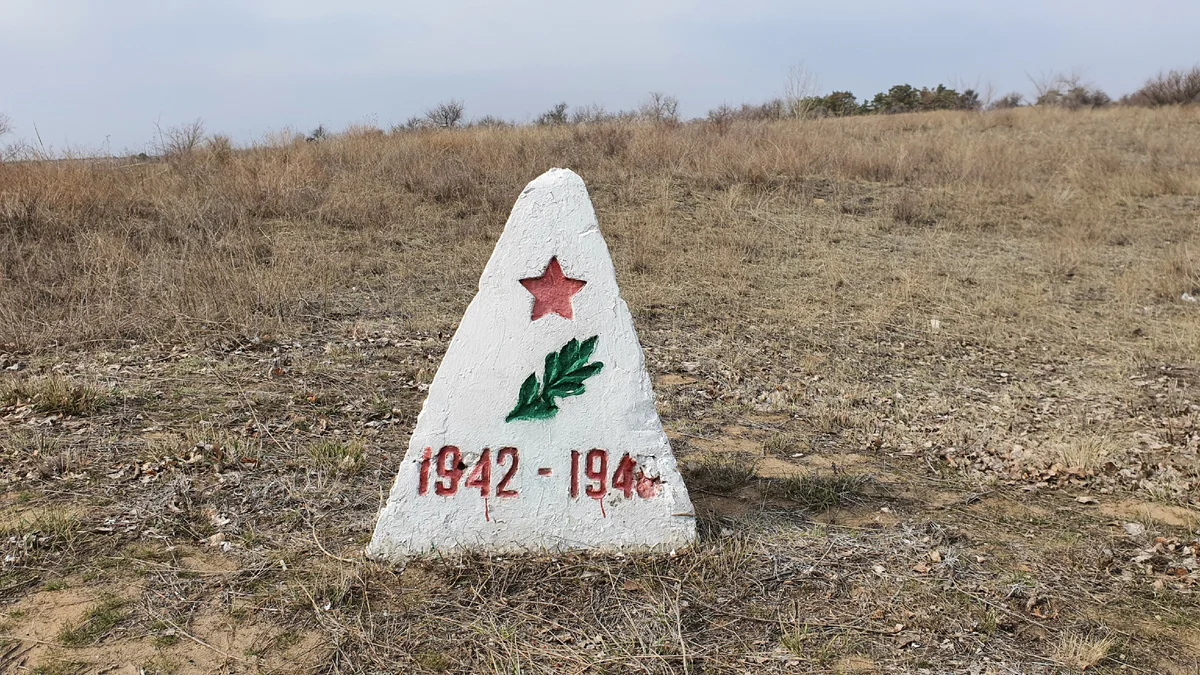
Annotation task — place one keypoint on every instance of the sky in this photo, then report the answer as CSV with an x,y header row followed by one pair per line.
x,y
103,75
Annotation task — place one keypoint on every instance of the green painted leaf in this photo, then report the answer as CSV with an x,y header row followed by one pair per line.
x,y
588,370
563,375
551,368
529,390
586,349
566,357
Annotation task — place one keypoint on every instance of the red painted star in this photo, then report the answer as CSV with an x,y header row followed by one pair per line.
x,y
552,292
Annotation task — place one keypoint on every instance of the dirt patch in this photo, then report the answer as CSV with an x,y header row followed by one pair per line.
x,y
722,506
249,646
1002,506
205,560
41,624
214,642
672,380
864,517
40,617
726,444
854,665
1163,514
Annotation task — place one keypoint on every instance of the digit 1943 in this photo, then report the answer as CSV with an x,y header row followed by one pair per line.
x,y
592,474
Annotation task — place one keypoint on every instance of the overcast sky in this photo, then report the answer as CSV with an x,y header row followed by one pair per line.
x,y
99,75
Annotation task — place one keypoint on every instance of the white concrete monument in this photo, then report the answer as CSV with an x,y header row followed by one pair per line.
x,y
540,431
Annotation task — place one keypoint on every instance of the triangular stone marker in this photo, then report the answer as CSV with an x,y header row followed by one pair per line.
x,y
539,431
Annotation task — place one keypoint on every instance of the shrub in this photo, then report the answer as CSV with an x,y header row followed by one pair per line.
x,y
901,98
944,98
721,118
556,116
1074,98
836,104
1175,87
318,134
969,100
221,147
590,114
775,109
940,98
414,123
1009,100
491,122
1086,97
904,98
1070,92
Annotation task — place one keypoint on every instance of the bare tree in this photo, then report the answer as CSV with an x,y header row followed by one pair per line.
x,y
660,108
1045,86
446,115
800,91
180,140
5,124
721,118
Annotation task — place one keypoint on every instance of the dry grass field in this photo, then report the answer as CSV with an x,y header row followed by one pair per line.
x,y
933,380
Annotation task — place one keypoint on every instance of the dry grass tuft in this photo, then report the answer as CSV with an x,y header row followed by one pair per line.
x,y
44,534
337,456
721,473
54,395
1083,452
785,445
821,492
1081,653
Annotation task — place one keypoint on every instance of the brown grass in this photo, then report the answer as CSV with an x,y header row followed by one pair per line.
x,y
982,313
242,243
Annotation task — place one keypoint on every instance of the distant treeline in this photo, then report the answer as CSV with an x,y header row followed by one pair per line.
x,y
1175,87
799,101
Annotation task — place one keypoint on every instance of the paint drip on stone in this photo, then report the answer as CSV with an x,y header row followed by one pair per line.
x,y
539,431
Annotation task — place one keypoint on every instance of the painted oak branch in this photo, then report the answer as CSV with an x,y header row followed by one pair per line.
x,y
564,375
